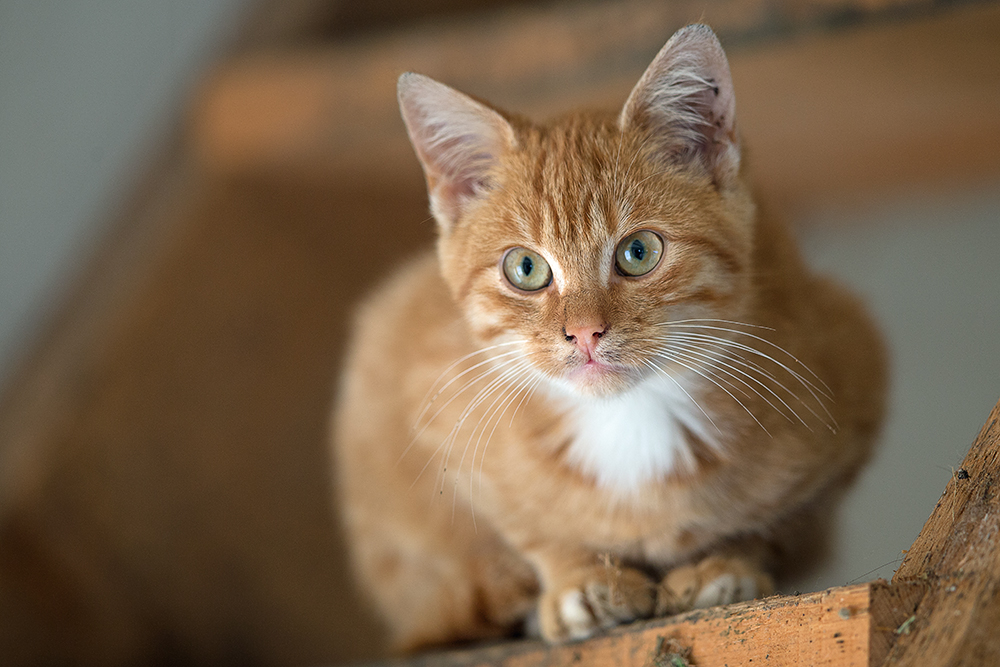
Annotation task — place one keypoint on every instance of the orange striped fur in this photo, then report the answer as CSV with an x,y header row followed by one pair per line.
x,y
605,447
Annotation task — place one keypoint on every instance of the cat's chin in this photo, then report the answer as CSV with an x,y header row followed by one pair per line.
x,y
597,379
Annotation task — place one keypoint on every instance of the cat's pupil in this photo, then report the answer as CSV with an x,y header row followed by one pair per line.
x,y
527,266
638,250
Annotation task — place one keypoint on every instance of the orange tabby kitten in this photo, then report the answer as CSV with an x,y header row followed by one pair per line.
x,y
615,392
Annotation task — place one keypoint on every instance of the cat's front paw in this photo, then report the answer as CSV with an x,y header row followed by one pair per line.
x,y
594,599
716,580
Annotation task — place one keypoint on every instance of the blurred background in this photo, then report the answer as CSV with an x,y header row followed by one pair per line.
x,y
183,186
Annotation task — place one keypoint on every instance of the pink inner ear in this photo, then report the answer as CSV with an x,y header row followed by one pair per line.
x,y
710,115
463,162
685,99
457,140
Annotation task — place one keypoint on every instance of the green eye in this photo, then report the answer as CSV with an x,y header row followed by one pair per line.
x,y
638,253
526,270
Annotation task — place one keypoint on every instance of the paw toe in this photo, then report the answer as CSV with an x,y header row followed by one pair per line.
x,y
714,581
721,590
576,615
597,601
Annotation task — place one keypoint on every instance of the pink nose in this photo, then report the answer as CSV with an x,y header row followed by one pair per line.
x,y
586,336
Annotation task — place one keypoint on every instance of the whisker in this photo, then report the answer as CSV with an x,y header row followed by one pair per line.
x,y
508,377
445,447
490,411
483,395
713,369
697,343
429,399
501,409
670,377
694,324
672,357
810,386
465,357
806,384
527,397
459,392
725,352
468,383
693,353
702,320
706,344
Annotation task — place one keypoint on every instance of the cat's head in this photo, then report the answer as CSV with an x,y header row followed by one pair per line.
x,y
582,237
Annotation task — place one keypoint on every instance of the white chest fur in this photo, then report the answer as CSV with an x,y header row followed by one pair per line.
x,y
629,440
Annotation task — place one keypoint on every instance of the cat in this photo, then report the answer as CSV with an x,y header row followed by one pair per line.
x,y
614,391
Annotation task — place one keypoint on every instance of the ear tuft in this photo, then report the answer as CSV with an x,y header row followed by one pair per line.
x,y
457,140
685,101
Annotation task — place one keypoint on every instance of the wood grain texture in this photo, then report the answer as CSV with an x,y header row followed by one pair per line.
x,y
961,533
853,625
958,555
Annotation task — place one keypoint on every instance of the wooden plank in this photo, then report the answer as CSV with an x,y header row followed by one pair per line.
x,y
288,22
958,535
853,625
958,554
829,116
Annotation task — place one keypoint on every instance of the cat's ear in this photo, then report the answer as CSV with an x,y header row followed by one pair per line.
x,y
457,139
685,102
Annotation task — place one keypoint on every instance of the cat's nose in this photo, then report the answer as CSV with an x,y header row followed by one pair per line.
x,y
586,336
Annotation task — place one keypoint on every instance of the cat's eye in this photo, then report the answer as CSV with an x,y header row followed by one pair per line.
x,y
638,253
526,270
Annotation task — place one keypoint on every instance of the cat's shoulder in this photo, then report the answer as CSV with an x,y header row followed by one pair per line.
x,y
413,288
409,312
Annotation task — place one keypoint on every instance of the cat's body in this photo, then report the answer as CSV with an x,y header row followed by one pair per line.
x,y
658,421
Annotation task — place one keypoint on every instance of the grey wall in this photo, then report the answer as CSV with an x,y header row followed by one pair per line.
x,y
928,268
85,85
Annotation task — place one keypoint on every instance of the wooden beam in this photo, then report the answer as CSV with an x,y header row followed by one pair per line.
x,y
828,116
852,625
958,535
958,555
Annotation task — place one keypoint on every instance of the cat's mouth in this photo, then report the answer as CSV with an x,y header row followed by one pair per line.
x,y
594,366
598,377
